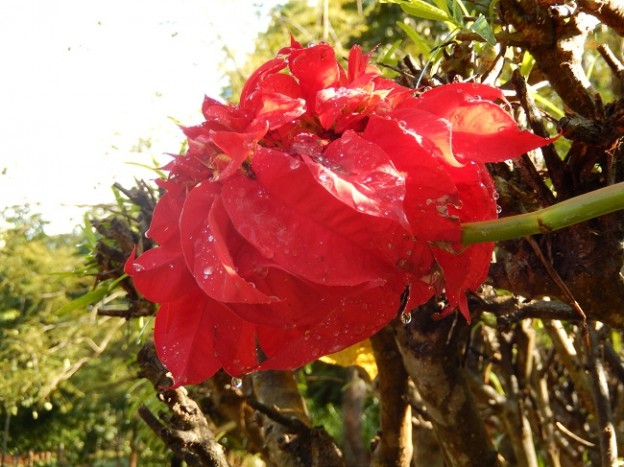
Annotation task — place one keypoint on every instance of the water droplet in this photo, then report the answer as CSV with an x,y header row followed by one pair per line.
x,y
495,195
210,238
406,318
236,383
208,271
498,209
294,164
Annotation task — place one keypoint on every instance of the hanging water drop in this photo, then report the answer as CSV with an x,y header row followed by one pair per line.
x,y
406,318
499,209
236,383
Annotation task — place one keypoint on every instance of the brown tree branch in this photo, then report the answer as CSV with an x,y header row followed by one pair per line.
x,y
557,45
602,402
290,441
185,431
515,375
609,12
556,168
430,351
353,399
577,253
544,411
395,446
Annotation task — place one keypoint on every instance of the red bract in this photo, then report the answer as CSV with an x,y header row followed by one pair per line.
x,y
298,219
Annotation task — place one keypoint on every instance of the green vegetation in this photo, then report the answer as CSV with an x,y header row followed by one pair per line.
x,y
69,386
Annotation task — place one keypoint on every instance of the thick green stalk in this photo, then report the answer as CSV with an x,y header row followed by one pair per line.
x,y
569,212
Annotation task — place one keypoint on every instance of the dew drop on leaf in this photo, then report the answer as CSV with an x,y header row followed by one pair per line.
x,y
294,164
236,383
406,318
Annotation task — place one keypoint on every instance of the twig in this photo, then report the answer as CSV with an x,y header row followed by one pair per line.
x,y
289,438
186,431
614,361
609,12
274,413
522,441
616,65
570,360
606,429
573,436
353,400
544,411
555,166
395,447
557,45
554,275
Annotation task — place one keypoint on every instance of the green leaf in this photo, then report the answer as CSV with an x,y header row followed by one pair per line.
x,y
422,9
94,296
556,110
387,56
82,302
617,341
527,64
424,47
459,12
442,5
481,27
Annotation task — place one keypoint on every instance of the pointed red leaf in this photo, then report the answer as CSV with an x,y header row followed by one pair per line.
x,y
204,228
297,243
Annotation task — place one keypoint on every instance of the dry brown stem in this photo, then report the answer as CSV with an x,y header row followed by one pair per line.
x,y
185,430
395,446
290,441
431,357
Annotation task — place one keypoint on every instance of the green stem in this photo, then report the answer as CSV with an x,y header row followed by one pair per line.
x,y
569,212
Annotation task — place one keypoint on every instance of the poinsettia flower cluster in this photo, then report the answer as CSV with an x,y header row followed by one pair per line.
x,y
300,220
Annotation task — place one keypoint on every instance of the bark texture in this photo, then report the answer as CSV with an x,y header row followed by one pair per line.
x,y
430,353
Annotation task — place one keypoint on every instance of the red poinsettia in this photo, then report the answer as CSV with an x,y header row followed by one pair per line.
x,y
299,219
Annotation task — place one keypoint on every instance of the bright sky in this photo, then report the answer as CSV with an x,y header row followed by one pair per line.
x,y
84,81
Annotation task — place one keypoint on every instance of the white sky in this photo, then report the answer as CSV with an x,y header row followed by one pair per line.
x,y
83,81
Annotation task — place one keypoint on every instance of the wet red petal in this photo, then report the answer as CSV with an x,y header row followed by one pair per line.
x,y
316,68
361,175
237,147
204,229
354,319
296,242
193,344
429,188
160,273
479,126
